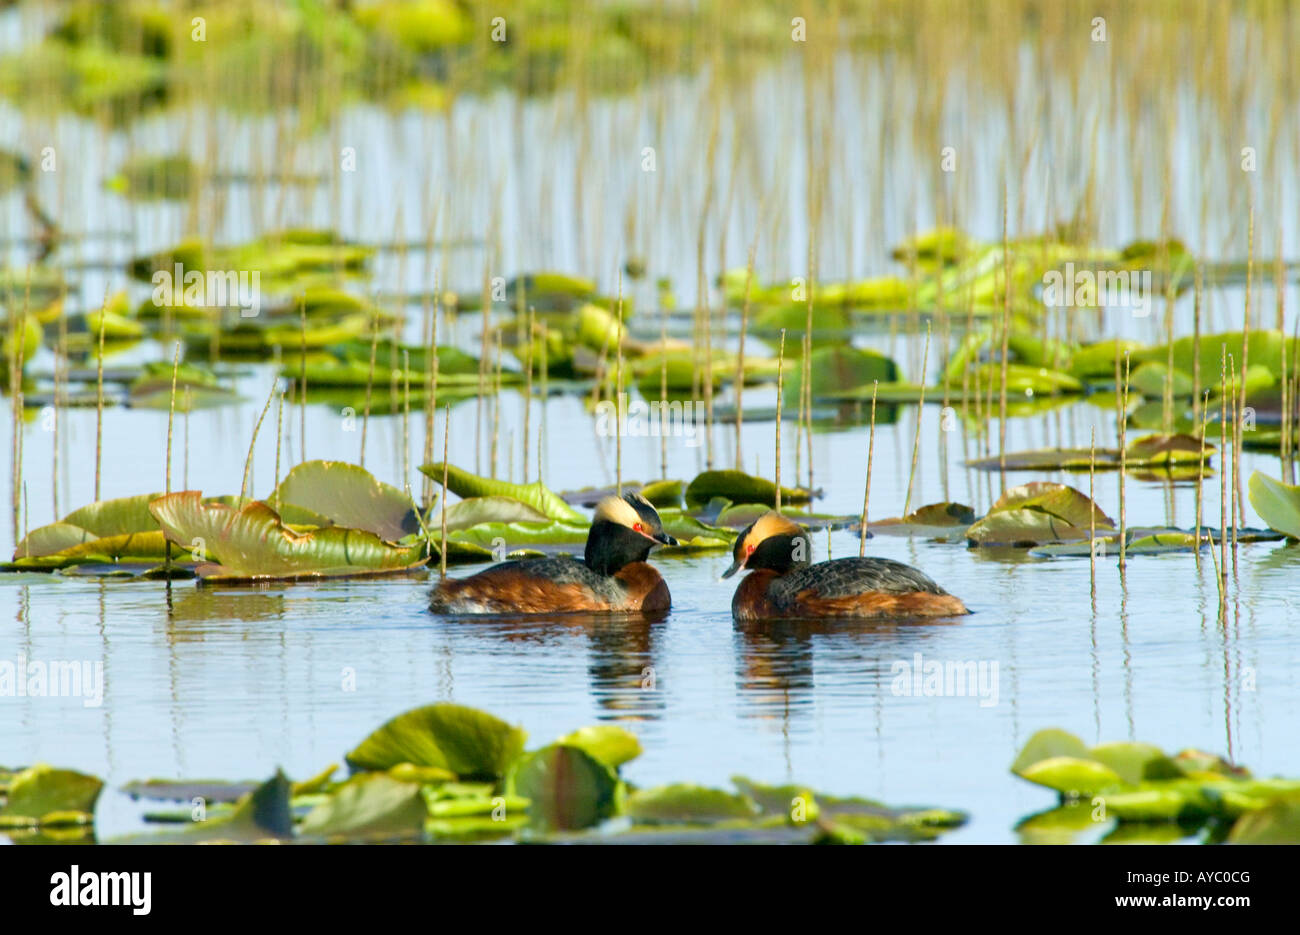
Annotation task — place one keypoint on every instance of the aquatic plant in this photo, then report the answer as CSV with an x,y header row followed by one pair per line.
x,y
1138,787
449,772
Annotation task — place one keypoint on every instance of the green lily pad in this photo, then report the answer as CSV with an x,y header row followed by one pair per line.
x,y
839,368
489,535
665,493
1275,823
370,804
1277,504
497,509
51,539
1035,513
116,517
780,800
682,803
41,790
137,547
739,487
264,813
1151,378
1071,775
467,742
607,743
568,788
1045,744
535,495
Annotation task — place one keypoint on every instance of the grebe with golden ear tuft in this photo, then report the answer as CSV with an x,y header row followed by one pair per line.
x,y
612,576
783,584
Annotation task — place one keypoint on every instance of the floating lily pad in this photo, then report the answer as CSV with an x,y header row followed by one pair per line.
x,y
607,743
116,517
253,543
42,790
540,498
494,509
467,742
739,487
568,788
1071,775
1275,823
1277,504
683,803
349,496
839,368
1036,513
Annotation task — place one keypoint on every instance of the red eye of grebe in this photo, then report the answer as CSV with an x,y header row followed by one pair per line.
x,y
637,527
749,550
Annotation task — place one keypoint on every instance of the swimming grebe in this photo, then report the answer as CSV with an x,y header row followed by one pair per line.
x,y
613,576
782,583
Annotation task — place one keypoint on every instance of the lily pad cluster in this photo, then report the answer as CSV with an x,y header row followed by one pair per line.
x,y
1140,792
324,519
445,772
130,57
1051,520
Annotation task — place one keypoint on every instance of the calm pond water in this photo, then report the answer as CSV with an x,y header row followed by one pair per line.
x,y
232,682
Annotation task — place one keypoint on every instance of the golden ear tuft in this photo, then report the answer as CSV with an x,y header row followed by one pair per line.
x,y
617,510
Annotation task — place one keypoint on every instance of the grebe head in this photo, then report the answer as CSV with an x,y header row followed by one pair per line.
x,y
624,530
771,541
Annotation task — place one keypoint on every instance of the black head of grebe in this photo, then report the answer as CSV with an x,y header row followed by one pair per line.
x,y
624,530
771,541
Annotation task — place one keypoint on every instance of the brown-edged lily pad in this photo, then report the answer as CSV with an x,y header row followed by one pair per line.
x,y
1037,513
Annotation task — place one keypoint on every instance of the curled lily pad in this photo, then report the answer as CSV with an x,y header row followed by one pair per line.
x,y
253,543
468,742
1060,825
1277,504
48,540
116,517
496,509
349,496
1071,775
1036,513
1045,744
1166,450
544,501
608,743
739,487
263,814
568,788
